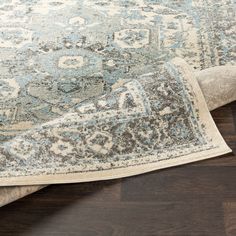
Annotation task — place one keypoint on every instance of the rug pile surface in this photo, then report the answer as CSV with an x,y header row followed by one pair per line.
x,y
55,56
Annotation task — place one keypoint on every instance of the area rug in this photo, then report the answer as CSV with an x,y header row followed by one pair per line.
x,y
157,121
55,54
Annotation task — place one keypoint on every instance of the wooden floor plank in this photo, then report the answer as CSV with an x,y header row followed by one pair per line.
x,y
122,218
230,218
185,182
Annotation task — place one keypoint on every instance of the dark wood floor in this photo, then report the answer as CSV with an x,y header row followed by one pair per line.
x,y
198,199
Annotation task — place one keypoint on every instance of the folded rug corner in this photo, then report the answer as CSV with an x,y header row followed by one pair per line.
x,y
156,121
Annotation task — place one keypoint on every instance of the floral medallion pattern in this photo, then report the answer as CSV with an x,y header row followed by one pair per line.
x,y
56,53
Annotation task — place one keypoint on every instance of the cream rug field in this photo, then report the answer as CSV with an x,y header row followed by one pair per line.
x,y
62,122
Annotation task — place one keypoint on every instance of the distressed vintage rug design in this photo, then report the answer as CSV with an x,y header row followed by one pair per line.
x,y
54,54
157,121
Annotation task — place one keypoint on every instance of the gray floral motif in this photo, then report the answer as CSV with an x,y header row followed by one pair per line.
x,y
62,148
44,7
14,37
21,148
9,89
100,142
132,38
